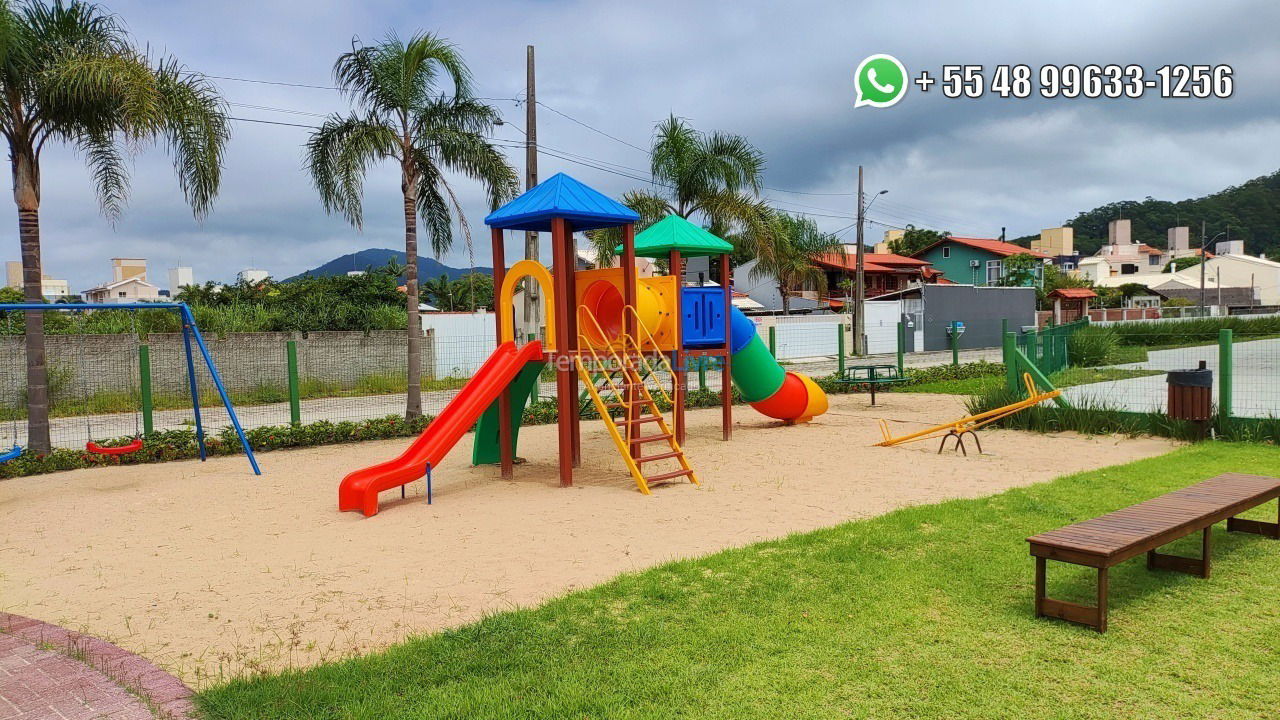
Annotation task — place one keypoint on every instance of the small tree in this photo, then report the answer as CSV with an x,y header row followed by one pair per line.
x,y
785,249
1020,271
915,239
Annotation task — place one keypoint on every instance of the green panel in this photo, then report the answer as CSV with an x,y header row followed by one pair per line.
x,y
675,233
485,450
755,372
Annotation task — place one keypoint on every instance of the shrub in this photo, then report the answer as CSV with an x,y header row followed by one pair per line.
x,y
1091,346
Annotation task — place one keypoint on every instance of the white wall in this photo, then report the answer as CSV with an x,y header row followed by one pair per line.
x,y
463,341
1239,271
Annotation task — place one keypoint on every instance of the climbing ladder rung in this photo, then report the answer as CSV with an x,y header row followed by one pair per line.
x,y
651,438
638,421
661,456
652,479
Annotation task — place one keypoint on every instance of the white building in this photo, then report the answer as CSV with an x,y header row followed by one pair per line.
x,y
51,288
1123,261
252,275
179,278
1230,267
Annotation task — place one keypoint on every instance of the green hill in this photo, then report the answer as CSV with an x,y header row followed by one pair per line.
x,y
1251,209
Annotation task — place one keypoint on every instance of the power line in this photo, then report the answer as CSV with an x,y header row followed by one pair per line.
x,y
593,129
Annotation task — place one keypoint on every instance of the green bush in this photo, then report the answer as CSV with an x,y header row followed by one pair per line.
x,y
1193,332
1091,346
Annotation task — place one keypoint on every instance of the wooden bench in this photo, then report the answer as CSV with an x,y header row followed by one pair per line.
x,y
872,376
1115,537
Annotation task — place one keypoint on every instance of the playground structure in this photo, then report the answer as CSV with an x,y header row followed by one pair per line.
x,y
193,341
614,333
969,425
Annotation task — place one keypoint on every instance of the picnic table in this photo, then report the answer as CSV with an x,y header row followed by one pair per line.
x,y
871,375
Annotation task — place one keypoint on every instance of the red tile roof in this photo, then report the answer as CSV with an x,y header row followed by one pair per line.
x,y
872,262
991,245
1074,293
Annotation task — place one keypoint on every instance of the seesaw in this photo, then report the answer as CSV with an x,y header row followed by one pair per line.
x,y
968,425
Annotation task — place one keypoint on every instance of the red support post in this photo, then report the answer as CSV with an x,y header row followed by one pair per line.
x,y
726,382
563,361
507,462
678,380
571,262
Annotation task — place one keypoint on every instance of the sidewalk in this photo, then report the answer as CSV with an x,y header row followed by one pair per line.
x,y
48,672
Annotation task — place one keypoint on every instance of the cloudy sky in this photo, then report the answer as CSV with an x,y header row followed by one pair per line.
x,y
779,73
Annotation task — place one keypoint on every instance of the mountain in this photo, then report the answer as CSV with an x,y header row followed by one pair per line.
x,y
377,257
1250,211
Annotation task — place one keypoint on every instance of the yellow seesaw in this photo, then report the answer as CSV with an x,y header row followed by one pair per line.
x,y
959,428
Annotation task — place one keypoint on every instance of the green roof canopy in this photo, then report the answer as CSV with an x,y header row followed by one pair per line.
x,y
675,233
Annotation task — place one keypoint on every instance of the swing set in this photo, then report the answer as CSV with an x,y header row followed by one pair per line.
x,y
193,342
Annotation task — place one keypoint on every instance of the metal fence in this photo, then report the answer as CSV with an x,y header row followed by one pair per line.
x,y
112,386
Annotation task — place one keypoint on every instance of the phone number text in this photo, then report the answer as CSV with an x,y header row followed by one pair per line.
x,y
1090,81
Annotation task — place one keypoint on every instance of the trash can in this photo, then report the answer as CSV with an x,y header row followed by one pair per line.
x,y
1191,394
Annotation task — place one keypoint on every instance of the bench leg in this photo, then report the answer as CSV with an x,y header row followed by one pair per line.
x,y
1258,527
1094,617
1192,566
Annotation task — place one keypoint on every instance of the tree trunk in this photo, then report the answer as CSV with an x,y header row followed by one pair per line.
x,y
786,301
26,194
413,403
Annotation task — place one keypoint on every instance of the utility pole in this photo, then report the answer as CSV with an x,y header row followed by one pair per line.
x,y
1203,300
532,321
859,282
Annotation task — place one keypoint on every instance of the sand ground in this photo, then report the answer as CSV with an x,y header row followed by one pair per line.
x,y
210,571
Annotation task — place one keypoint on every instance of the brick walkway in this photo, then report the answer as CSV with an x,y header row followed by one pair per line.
x,y
47,672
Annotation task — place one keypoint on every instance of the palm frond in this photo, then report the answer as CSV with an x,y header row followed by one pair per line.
x,y
109,171
433,208
197,131
339,154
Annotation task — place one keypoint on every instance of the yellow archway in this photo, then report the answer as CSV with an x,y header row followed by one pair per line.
x,y
506,309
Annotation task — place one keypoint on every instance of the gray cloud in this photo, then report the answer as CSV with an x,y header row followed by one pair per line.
x,y
780,74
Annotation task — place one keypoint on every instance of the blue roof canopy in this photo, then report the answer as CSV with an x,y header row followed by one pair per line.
x,y
560,196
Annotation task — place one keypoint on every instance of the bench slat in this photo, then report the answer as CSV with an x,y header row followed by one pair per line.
x,y
1119,535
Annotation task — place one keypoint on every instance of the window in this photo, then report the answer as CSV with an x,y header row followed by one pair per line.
x,y
946,252
891,283
1153,259
1129,269
122,294
995,269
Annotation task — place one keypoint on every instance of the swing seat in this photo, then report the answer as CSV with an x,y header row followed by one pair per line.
x,y
97,449
11,455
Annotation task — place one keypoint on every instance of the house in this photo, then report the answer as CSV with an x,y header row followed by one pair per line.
x,y
884,273
976,261
763,289
128,284
50,288
1230,267
1121,259
1059,244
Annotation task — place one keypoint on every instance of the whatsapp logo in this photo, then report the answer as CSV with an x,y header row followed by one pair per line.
x,y
881,80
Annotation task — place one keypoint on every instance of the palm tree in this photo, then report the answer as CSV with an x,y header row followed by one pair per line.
x,y
717,176
401,115
439,292
785,248
69,73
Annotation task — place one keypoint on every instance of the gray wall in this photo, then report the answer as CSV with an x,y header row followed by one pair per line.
x,y
83,364
980,308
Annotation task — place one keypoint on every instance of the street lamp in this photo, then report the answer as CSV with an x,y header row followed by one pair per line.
x,y
1203,259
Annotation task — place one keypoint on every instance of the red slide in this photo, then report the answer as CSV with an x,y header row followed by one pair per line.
x,y
359,490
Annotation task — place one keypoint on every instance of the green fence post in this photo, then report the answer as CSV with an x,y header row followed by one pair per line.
x,y
1004,328
144,387
1010,355
295,394
702,374
1224,373
902,344
840,349
955,342
773,340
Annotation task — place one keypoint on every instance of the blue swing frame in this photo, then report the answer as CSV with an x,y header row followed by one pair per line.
x,y
189,332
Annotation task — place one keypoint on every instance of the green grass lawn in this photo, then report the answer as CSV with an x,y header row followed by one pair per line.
x,y
922,613
1061,379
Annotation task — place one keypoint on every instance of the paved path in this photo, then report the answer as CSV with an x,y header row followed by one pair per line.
x,y
73,432
49,673
1255,388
